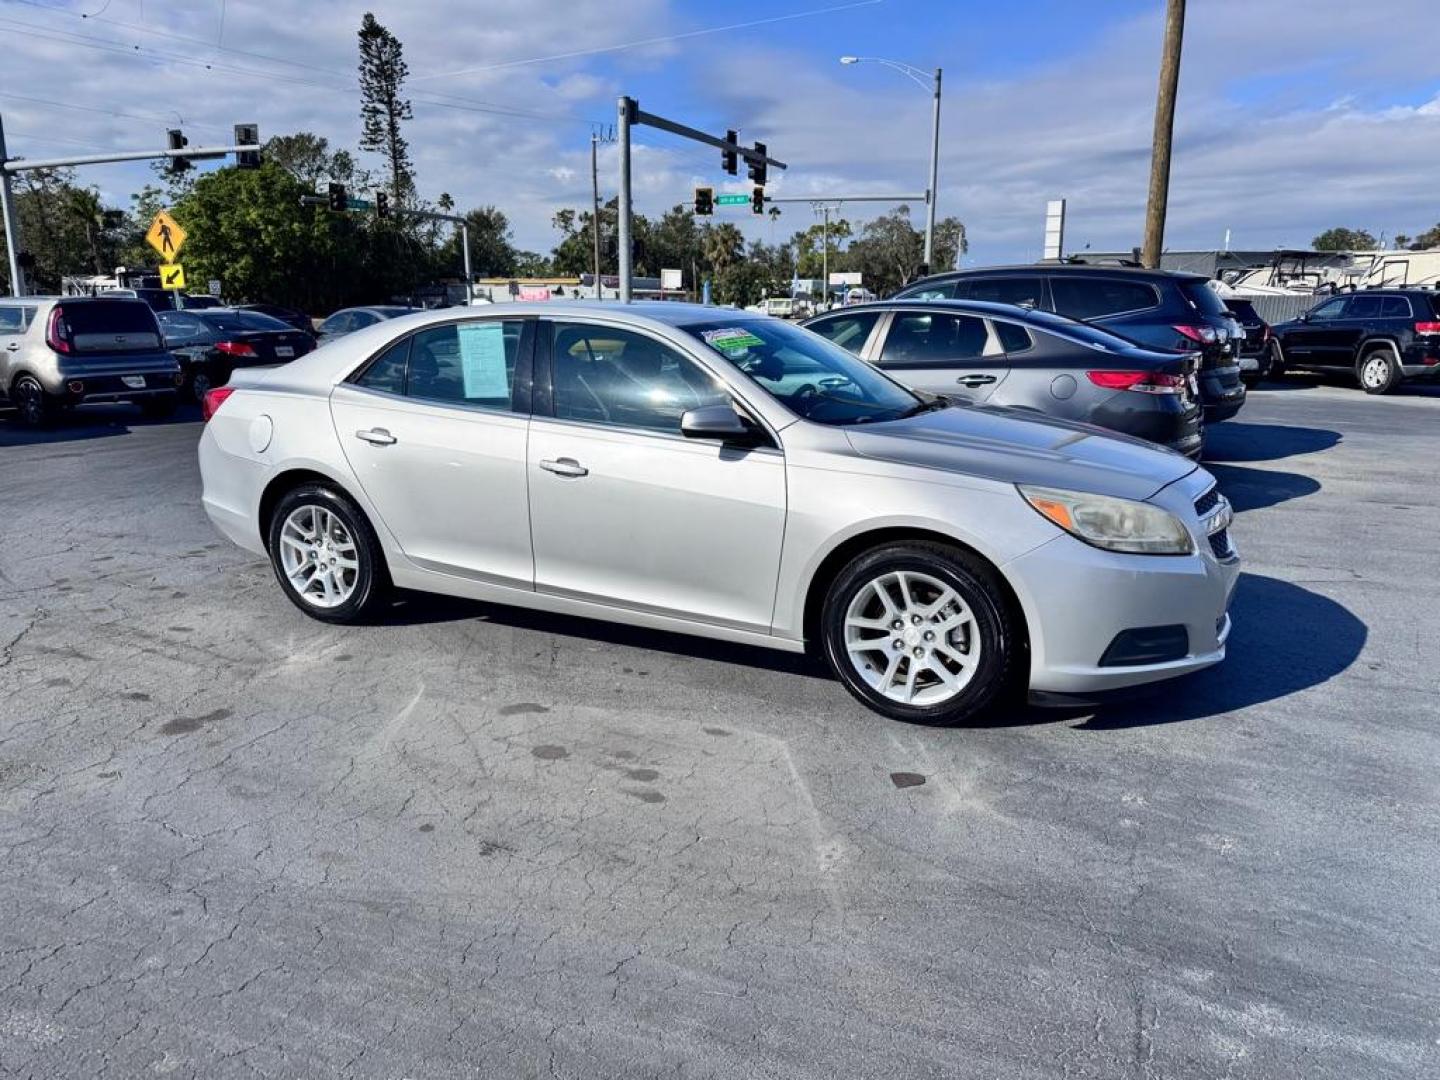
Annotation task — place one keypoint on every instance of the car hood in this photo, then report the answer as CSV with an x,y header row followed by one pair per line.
x,y
1023,448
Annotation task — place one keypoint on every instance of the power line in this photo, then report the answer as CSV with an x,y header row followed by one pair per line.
x,y
651,41
146,118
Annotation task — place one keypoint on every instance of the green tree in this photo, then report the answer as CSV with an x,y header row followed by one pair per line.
x,y
491,253
1430,238
66,228
808,247
950,243
382,108
1342,239
248,230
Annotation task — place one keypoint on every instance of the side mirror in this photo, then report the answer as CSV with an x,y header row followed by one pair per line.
x,y
717,422
1305,316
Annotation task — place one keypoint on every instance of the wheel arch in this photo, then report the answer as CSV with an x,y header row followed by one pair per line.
x,y
1381,340
851,547
288,480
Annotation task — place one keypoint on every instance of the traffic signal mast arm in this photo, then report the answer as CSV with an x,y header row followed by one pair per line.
x,y
19,165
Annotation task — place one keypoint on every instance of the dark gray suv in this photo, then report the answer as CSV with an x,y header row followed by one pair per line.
x,y
56,352
1155,308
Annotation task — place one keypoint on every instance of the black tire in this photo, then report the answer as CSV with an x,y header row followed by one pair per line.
x,y
372,581
997,629
159,408
198,383
1378,372
35,407
1276,370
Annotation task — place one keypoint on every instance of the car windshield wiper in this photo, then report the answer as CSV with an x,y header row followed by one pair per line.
x,y
938,402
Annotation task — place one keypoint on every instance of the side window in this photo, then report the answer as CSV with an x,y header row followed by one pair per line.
x,y
1329,310
1363,307
12,319
609,376
386,372
848,331
468,363
1013,337
933,339
1395,307
1001,290
944,290
1089,298
361,318
339,323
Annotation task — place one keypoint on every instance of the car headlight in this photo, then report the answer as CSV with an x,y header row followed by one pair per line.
x,y
1110,523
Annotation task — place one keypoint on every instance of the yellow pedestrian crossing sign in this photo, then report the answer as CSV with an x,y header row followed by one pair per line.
x,y
172,276
165,235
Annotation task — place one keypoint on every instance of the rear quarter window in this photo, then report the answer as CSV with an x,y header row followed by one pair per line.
x,y
1395,307
1013,337
1203,298
1091,298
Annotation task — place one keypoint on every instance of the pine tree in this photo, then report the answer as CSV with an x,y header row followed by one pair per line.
x,y
382,72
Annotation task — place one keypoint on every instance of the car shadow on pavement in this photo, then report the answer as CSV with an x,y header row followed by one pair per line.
x,y
1254,489
84,423
412,608
1236,441
1285,639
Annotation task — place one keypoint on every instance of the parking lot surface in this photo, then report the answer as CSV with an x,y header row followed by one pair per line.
x,y
481,842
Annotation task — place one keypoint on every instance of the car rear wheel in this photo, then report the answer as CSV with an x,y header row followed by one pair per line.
x,y
1378,371
200,384
36,408
920,632
326,556
1276,370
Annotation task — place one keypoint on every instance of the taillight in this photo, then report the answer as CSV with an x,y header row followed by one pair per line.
x,y
1204,334
1427,328
57,331
1144,382
234,348
213,400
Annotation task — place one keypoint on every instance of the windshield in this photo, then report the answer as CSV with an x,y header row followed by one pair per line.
x,y
810,376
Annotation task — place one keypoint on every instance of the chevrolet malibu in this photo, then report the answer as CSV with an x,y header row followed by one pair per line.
x,y
723,474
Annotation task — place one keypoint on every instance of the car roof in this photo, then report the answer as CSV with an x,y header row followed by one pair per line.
x,y
1109,269
665,312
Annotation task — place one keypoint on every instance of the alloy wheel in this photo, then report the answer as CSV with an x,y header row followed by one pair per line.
x,y
912,638
319,556
1376,371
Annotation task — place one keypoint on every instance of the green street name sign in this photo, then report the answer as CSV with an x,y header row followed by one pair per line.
x,y
732,200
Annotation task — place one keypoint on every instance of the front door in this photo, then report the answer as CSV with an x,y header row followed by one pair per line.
x,y
1317,341
625,510
944,353
435,432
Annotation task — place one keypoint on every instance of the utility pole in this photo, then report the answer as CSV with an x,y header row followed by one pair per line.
x,y
622,209
1164,130
595,203
12,222
934,180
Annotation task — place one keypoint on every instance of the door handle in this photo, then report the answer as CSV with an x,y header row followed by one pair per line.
x,y
14,346
376,437
565,467
975,380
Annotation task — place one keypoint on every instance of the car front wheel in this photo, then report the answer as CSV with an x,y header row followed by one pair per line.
x,y
326,556
1378,372
920,632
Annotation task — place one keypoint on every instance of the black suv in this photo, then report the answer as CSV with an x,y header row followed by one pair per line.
x,y
1156,308
1381,336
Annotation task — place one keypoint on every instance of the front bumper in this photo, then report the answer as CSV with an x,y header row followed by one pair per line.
x,y
1077,599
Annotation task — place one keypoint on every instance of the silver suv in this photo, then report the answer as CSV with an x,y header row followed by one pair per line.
x,y
58,352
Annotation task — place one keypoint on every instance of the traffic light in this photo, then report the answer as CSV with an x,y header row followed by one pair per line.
x,y
704,200
757,200
247,135
757,168
382,204
339,201
729,161
177,141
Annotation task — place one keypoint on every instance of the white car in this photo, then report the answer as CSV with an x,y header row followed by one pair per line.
x,y
727,475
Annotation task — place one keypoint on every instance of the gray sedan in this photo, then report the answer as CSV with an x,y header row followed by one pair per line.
x,y
728,475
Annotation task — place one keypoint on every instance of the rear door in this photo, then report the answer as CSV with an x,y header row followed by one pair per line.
x,y
434,428
943,352
1023,290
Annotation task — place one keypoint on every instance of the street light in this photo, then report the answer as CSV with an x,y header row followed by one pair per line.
x,y
931,82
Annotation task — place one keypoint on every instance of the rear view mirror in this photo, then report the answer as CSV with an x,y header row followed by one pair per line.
x,y
716,422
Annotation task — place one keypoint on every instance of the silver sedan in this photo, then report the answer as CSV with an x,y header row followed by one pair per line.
x,y
729,475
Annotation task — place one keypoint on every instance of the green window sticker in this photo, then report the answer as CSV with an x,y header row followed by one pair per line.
x,y
731,339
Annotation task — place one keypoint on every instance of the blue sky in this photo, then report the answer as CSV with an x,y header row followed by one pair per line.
x,y
1291,118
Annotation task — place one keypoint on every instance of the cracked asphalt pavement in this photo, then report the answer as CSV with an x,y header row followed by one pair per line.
x,y
480,842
